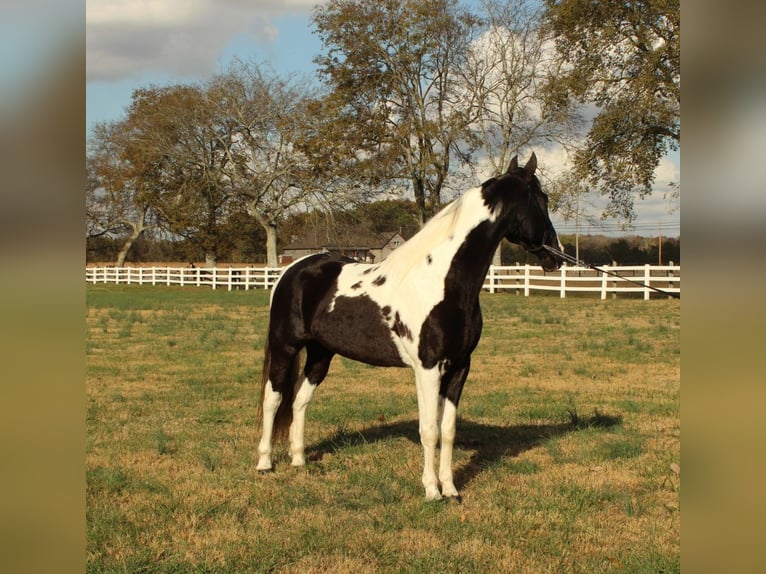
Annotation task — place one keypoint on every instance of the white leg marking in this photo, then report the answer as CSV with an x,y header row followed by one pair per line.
x,y
448,414
427,383
303,396
271,402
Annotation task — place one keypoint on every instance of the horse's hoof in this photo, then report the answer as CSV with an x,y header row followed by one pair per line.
x,y
455,498
265,470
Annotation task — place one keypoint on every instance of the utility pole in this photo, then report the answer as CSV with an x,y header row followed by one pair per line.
x,y
577,226
660,245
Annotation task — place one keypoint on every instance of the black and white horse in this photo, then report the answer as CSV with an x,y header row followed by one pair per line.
x,y
419,308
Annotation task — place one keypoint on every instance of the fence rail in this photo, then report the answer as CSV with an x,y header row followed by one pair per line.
x,y
517,278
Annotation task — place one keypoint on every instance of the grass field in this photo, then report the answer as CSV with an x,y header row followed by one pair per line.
x,y
567,454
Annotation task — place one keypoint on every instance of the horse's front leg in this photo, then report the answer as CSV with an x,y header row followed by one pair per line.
x,y
427,384
447,424
449,396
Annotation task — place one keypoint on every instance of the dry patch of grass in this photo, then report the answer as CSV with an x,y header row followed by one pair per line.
x,y
567,452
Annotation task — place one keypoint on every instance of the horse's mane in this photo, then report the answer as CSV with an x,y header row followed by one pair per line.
x,y
438,230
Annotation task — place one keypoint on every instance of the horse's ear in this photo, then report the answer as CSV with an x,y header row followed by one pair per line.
x,y
531,164
513,165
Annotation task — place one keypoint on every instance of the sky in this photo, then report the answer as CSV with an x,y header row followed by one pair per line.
x,y
132,44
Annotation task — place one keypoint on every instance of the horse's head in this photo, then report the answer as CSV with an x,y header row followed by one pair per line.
x,y
517,196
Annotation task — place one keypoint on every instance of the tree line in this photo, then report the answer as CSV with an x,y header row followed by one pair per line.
x,y
413,99
246,239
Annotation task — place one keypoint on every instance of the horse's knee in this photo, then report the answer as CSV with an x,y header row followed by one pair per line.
x,y
448,433
429,435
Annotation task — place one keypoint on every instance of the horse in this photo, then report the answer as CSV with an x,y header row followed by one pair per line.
x,y
418,308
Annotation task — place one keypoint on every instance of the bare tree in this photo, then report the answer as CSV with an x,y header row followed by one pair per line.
x,y
268,124
506,71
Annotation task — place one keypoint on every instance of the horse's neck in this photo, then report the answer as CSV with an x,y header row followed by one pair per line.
x,y
472,259
460,239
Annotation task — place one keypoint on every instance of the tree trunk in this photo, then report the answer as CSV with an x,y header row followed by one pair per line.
x,y
420,200
137,229
272,260
270,226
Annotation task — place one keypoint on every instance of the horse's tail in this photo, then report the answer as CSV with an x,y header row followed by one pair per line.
x,y
284,415
264,379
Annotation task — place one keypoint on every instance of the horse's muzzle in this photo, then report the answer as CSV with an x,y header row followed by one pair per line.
x,y
548,262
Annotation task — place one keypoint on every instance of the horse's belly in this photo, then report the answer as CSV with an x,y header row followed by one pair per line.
x,y
356,328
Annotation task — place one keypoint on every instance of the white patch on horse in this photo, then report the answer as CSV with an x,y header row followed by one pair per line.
x,y
417,268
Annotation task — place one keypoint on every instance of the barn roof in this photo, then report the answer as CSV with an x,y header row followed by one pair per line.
x,y
348,240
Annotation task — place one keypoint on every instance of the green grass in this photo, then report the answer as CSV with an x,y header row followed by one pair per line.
x,y
566,454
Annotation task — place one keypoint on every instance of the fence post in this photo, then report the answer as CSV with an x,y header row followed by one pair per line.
x,y
647,280
229,287
491,278
603,283
526,280
563,270
670,274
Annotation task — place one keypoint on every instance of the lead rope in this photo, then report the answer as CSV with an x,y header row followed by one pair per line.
x,y
575,261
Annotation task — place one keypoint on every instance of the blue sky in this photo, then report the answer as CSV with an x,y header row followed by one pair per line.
x,y
136,43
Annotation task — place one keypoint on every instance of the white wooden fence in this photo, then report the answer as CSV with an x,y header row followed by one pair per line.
x,y
521,279
215,277
567,280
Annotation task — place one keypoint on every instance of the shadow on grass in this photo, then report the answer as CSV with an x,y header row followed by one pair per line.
x,y
489,443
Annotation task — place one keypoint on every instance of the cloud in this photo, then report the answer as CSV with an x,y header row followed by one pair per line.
x,y
126,38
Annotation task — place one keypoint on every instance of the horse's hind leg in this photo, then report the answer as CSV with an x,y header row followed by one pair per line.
x,y
271,402
277,379
317,363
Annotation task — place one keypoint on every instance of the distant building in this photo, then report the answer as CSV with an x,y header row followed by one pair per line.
x,y
364,247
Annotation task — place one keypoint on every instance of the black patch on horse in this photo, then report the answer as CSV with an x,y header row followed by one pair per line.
x,y
400,328
379,280
355,328
453,327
